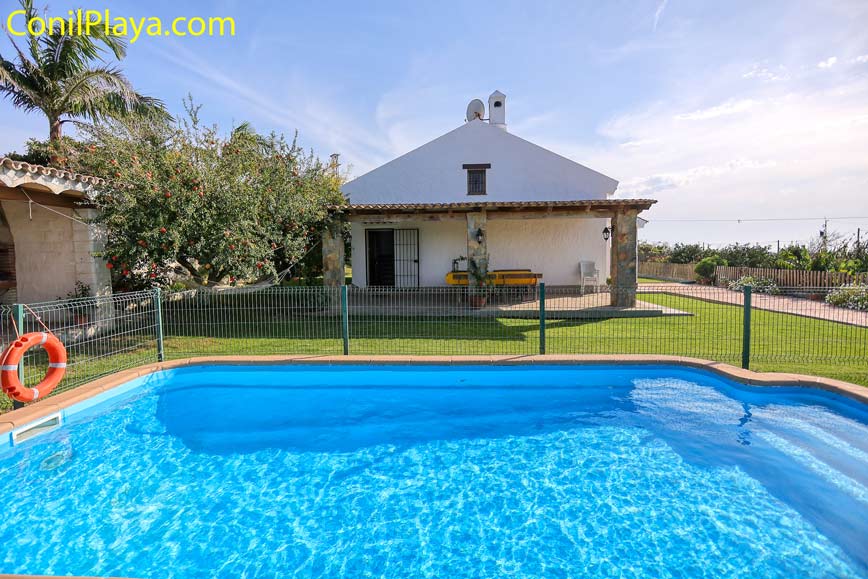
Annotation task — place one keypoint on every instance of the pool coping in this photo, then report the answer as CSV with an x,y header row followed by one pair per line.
x,y
54,404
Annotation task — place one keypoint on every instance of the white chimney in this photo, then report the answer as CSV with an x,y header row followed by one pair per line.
x,y
497,109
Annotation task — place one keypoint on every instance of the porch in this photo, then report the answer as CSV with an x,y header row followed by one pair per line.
x,y
549,238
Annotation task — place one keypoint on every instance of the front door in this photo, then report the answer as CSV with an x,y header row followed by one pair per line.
x,y
381,257
393,257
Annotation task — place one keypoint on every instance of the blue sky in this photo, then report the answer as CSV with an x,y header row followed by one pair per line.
x,y
720,110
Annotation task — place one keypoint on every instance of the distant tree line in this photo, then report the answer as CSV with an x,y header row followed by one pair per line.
x,y
835,253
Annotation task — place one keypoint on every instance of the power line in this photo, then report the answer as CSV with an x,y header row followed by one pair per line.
x,y
753,219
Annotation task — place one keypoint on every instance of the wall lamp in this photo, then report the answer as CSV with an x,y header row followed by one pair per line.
x,y
480,236
608,232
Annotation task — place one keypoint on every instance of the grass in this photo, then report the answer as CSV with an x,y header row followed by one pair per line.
x,y
780,342
652,280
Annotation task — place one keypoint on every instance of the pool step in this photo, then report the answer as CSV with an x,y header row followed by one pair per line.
x,y
826,446
834,476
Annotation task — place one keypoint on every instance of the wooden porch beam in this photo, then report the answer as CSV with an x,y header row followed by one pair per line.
x,y
498,214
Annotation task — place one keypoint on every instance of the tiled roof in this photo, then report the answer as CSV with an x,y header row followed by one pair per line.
x,y
589,204
18,173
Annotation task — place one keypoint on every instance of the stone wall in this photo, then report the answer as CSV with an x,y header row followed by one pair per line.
x,y
52,251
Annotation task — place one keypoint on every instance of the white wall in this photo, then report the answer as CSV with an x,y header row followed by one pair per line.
x,y
520,171
52,252
551,246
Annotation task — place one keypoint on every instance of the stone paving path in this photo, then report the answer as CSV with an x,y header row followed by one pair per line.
x,y
785,304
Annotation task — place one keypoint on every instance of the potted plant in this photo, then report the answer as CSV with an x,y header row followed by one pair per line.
x,y
82,303
479,282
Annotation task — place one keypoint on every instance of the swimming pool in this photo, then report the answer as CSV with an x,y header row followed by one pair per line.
x,y
442,471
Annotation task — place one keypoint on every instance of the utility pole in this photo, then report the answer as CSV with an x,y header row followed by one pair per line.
x,y
779,245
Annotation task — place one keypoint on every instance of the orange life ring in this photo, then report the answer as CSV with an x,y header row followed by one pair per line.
x,y
12,386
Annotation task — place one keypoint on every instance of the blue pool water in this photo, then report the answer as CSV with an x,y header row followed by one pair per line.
x,y
476,472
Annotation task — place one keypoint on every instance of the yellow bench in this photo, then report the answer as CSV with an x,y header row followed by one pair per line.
x,y
498,277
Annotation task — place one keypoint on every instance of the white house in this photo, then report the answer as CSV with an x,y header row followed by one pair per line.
x,y
498,200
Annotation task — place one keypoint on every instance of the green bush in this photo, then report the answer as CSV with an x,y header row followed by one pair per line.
x,y
688,253
760,285
852,297
706,267
746,255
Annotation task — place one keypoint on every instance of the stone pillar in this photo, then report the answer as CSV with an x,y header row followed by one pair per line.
x,y
477,251
333,254
625,259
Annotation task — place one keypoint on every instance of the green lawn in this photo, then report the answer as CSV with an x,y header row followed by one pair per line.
x,y
780,342
652,280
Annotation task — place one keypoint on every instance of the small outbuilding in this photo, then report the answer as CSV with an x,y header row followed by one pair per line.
x,y
46,242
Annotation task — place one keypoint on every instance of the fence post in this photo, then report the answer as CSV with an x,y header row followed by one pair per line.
x,y
158,319
345,320
745,346
18,316
542,317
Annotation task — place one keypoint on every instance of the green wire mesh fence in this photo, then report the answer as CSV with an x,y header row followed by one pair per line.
x,y
795,331
101,335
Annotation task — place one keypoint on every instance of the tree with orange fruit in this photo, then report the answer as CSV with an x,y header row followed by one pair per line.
x,y
224,209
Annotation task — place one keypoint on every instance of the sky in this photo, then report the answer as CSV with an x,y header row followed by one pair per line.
x,y
722,111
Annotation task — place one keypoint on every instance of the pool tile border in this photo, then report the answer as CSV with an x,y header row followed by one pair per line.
x,y
23,416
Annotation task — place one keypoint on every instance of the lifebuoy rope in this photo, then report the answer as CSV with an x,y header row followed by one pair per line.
x,y
38,319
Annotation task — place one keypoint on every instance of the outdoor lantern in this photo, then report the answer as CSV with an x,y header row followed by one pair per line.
x,y
480,236
607,232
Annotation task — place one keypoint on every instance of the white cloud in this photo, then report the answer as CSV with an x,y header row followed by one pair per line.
x,y
730,107
311,114
655,184
861,59
791,152
760,72
661,7
639,143
828,63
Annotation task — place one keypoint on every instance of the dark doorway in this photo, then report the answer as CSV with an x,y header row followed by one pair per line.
x,y
381,257
393,257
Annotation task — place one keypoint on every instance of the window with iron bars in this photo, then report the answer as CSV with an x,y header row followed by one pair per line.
x,y
476,179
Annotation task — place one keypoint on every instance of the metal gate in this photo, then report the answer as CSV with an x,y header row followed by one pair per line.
x,y
406,258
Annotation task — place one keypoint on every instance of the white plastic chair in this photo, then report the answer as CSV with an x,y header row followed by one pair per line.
x,y
588,272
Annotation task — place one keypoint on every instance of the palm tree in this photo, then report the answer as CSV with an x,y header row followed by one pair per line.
x,y
64,76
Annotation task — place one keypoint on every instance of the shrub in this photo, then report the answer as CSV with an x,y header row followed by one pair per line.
x,y
688,253
745,255
760,285
706,267
853,297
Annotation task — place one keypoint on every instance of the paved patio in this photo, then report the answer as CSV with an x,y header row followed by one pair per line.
x,y
560,305
785,304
